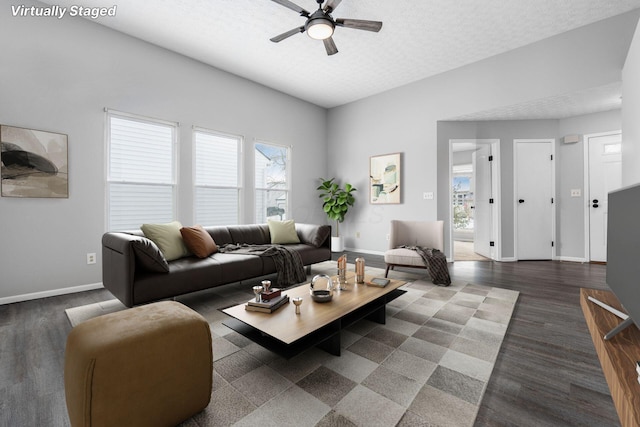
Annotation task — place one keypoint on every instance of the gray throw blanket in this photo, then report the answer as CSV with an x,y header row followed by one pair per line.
x,y
288,261
436,263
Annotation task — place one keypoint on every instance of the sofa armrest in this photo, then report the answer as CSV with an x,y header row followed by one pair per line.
x,y
118,265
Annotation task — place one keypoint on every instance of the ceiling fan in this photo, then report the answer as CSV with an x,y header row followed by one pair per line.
x,y
320,24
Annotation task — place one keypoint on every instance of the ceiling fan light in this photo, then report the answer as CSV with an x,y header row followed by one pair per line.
x,y
320,29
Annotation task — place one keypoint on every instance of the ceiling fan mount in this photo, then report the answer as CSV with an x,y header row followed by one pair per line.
x,y
320,25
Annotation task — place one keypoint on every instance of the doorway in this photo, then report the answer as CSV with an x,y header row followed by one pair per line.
x,y
473,195
534,197
603,173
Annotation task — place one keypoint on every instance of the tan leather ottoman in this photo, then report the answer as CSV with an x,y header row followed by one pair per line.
x,y
145,366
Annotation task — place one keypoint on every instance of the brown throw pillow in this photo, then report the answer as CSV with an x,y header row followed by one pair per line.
x,y
198,241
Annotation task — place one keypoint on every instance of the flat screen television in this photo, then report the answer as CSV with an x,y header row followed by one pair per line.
x,y
623,252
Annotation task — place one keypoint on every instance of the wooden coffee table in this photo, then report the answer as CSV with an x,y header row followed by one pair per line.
x,y
318,324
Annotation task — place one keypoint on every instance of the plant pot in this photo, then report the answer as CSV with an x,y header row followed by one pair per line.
x,y
337,244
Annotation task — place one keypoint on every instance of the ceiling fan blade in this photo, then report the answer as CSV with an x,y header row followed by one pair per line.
x,y
330,46
289,33
292,6
331,5
359,24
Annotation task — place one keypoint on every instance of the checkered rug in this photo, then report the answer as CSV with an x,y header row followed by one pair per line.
x,y
428,365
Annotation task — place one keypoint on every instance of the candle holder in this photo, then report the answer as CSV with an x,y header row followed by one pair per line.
x,y
266,284
360,270
297,301
342,272
257,290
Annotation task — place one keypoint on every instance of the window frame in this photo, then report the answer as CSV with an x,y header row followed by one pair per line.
x,y
240,180
174,126
288,173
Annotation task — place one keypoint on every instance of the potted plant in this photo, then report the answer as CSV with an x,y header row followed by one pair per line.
x,y
335,203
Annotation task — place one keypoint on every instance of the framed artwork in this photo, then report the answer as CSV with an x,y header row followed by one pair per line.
x,y
384,176
34,163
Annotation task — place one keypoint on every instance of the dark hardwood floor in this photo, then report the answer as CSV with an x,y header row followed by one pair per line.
x,y
547,372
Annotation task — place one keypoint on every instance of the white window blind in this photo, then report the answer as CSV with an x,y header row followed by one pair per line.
x,y
217,178
140,172
272,166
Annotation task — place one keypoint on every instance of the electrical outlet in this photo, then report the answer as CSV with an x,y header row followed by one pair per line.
x,y
387,237
575,192
427,195
91,258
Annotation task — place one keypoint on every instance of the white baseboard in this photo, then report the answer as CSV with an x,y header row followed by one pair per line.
x,y
508,259
571,259
51,293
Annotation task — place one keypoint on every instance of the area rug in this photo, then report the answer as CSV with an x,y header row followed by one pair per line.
x,y
428,365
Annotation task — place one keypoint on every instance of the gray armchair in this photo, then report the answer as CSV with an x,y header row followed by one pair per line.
x,y
428,234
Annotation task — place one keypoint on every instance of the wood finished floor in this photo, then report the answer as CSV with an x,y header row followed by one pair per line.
x,y
547,372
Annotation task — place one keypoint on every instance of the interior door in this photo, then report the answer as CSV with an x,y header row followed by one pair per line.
x,y
533,193
605,175
482,194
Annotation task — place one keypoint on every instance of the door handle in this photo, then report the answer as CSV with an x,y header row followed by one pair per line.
x,y
521,201
595,203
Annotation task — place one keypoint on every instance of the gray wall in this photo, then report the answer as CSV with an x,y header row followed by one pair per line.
x,y
506,131
405,119
59,75
569,163
570,175
631,114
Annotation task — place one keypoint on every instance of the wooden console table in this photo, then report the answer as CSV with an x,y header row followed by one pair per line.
x,y
618,356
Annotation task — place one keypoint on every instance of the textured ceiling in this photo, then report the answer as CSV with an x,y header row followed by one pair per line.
x,y
603,98
418,39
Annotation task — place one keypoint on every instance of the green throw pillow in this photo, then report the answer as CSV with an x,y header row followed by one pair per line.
x,y
168,239
283,232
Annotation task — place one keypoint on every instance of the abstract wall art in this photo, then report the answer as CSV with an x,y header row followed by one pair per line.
x,y
384,176
34,163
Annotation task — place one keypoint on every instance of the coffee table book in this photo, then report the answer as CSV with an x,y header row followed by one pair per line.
x,y
267,306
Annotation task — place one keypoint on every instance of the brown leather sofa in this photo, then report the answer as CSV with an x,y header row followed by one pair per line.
x,y
131,278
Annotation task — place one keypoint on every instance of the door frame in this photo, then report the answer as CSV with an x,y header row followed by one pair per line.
x,y
587,188
552,141
495,190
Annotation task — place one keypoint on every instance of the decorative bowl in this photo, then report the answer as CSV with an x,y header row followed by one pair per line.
x,y
321,295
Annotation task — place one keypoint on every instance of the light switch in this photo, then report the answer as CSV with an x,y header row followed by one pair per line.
x,y
576,192
427,195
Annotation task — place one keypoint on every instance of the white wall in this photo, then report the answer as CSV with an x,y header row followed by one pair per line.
x,y
59,75
631,114
405,119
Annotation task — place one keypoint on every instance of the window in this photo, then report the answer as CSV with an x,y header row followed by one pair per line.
x,y
217,178
271,182
141,158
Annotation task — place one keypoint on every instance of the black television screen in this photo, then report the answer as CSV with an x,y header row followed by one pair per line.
x,y
623,249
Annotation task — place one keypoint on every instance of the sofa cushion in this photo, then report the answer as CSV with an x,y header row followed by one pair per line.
x,y
198,241
168,238
314,235
149,256
283,232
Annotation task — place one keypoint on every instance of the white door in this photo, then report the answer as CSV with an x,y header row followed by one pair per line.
x,y
605,175
482,194
533,199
